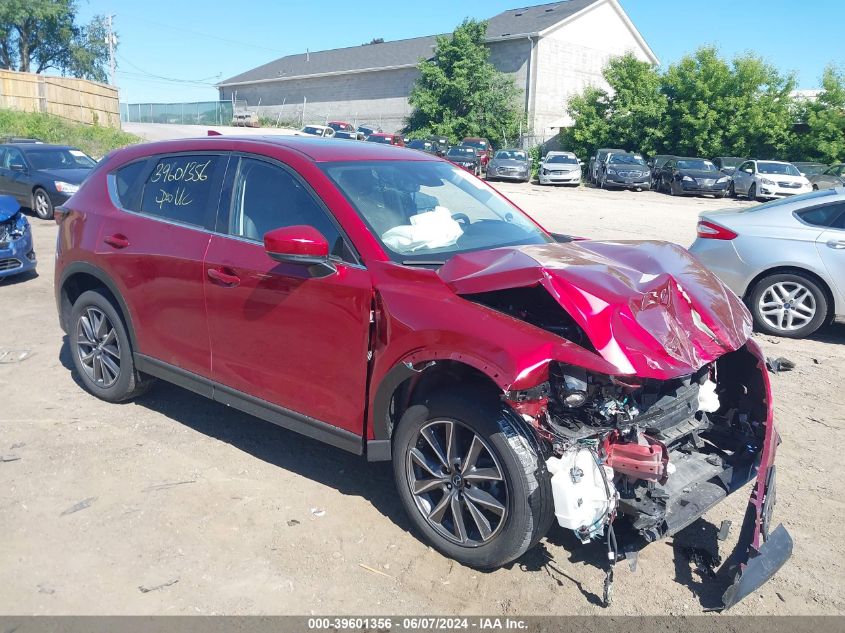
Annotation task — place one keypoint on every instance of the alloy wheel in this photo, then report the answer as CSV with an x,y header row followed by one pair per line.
x,y
457,483
98,347
787,306
42,204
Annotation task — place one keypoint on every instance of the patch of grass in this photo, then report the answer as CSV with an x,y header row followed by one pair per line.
x,y
94,140
269,121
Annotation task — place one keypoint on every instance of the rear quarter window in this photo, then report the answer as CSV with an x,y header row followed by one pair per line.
x,y
829,216
127,184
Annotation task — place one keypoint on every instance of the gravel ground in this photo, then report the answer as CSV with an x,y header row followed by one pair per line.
x,y
174,504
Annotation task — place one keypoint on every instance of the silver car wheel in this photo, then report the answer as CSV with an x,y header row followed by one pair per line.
x,y
457,483
98,347
787,306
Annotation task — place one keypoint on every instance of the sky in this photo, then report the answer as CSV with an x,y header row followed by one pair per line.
x,y
175,50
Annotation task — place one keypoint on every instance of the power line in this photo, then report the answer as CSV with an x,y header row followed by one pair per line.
x,y
203,81
208,35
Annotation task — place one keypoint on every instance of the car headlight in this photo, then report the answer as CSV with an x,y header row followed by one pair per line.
x,y
721,180
544,171
688,179
612,172
766,181
65,187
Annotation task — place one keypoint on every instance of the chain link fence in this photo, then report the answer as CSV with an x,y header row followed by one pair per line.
x,y
194,113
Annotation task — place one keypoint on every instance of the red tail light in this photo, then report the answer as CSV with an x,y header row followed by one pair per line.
x,y
711,230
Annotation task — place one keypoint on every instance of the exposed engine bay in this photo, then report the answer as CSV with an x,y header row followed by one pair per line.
x,y
655,453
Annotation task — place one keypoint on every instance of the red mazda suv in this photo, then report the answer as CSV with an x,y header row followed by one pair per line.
x,y
389,303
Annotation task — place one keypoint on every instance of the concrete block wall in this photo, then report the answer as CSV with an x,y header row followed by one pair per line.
x,y
378,97
572,57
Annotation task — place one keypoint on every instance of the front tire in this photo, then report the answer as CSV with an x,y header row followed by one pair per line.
x,y
752,192
42,206
472,485
791,305
101,350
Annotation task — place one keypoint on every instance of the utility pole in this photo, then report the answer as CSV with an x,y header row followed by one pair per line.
x,y
111,40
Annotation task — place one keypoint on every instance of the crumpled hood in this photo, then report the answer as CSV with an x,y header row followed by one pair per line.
x,y
649,308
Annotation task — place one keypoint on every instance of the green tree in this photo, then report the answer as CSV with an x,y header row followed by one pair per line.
x,y
39,35
459,92
591,129
743,108
824,117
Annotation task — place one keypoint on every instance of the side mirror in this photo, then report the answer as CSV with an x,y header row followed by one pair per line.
x,y
302,245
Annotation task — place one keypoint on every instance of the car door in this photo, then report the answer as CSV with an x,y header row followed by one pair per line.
x,y
153,245
17,176
743,177
296,342
831,246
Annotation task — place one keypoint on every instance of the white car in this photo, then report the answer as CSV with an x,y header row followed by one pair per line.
x,y
560,168
323,131
766,179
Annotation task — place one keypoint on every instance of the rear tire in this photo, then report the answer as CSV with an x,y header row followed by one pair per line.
x,y
502,512
806,301
101,350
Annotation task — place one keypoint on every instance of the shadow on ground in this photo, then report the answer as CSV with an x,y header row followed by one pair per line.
x,y
353,475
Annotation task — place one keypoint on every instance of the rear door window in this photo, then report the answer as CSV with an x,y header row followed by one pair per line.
x,y
184,188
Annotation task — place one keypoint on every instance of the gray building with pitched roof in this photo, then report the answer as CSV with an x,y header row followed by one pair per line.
x,y
552,51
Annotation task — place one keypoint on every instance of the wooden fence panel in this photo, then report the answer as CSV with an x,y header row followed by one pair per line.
x,y
74,99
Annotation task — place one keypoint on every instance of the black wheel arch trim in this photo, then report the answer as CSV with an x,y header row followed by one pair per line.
x,y
98,273
379,448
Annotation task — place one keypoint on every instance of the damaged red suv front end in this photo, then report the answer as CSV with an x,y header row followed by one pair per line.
x,y
674,415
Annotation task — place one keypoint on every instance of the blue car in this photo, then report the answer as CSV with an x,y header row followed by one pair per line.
x,y
17,253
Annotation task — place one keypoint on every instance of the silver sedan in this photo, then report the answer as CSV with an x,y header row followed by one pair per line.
x,y
786,259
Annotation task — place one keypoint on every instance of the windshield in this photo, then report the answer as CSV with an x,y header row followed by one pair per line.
x,y
697,165
511,154
424,212
811,169
313,130
730,161
476,143
562,158
420,145
461,152
777,169
379,139
626,159
60,159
